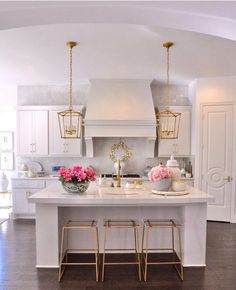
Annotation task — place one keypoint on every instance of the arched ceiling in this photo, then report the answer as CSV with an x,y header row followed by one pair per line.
x,y
117,40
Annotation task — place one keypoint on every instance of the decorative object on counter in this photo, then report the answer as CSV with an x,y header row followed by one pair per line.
x,y
167,120
189,170
102,181
146,170
182,172
3,183
31,174
70,121
188,175
161,176
173,166
120,151
77,178
23,167
55,169
178,185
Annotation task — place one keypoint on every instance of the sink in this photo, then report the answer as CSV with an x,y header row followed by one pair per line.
x,y
118,191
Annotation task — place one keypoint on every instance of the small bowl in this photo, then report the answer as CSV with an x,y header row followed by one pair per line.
x,y
178,185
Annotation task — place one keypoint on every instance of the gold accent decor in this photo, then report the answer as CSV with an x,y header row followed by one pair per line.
x,y
64,250
121,224
70,121
123,148
177,256
167,120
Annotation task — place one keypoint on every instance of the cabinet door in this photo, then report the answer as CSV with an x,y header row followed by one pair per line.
x,y
180,146
21,206
40,132
32,132
24,132
59,146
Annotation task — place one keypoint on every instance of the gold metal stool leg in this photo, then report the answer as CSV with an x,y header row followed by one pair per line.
x,y
79,225
96,252
137,249
104,253
154,224
125,224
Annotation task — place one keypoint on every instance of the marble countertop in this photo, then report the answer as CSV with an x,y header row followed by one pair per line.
x,y
112,196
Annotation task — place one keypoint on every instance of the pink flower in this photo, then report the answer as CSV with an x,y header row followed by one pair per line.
x,y
159,172
77,174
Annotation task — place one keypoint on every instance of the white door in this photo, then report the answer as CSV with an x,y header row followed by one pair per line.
x,y
217,159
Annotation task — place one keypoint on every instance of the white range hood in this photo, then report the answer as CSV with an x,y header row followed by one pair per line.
x,y
120,108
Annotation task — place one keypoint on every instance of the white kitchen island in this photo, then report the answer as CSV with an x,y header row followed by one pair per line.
x,y
54,206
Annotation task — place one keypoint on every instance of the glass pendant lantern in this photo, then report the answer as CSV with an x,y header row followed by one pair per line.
x,y
70,121
167,120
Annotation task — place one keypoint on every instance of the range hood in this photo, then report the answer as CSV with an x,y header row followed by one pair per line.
x,y
120,108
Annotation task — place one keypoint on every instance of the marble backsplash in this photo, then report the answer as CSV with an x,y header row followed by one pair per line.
x,y
101,162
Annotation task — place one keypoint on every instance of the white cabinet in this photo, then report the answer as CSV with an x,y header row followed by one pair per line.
x,y
32,132
57,145
180,146
21,190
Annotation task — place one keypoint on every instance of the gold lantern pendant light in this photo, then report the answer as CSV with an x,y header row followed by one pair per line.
x,y
167,120
70,121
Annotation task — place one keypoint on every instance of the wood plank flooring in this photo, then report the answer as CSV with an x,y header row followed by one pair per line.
x,y
18,272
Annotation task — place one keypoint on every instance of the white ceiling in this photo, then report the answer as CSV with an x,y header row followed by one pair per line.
x,y
37,54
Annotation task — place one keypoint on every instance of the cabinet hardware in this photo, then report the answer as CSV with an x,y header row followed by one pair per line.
x,y
228,178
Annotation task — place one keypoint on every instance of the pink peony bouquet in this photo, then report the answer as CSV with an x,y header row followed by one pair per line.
x,y
77,174
159,172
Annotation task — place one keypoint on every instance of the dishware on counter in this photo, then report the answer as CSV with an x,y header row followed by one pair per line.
x,y
31,174
23,167
173,166
178,185
34,166
41,173
170,193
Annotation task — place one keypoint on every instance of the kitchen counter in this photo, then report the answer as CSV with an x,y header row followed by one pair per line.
x,y
113,196
54,207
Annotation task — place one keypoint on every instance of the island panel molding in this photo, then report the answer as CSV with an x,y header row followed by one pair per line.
x,y
55,204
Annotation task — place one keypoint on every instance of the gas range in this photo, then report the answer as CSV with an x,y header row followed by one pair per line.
x,y
107,175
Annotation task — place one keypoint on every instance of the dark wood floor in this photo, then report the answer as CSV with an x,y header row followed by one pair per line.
x,y
18,272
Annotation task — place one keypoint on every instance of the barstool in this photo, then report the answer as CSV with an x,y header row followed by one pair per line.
x,y
148,225
122,224
78,225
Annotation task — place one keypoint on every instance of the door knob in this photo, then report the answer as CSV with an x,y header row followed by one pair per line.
x,y
228,178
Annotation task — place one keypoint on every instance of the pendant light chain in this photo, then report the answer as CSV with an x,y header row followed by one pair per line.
x,y
168,77
70,78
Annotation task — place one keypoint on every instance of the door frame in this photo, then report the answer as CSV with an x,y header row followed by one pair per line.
x,y
198,165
